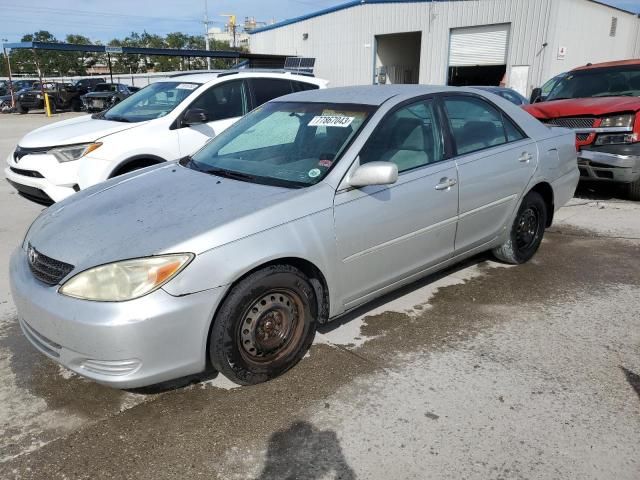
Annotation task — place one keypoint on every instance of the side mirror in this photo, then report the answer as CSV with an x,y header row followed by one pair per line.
x,y
536,93
374,173
195,116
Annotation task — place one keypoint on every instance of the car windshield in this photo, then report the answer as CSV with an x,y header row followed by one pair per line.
x,y
289,144
154,101
106,87
599,82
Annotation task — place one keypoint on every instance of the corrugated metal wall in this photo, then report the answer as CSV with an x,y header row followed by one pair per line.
x,y
343,42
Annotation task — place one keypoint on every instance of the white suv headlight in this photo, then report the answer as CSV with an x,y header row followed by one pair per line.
x,y
74,152
125,280
618,121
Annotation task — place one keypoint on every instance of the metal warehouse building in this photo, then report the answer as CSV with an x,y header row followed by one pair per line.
x,y
456,42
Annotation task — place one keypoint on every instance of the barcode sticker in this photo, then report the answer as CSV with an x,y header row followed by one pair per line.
x,y
331,121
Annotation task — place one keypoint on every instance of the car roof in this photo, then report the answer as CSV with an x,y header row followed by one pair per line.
x,y
619,63
205,77
363,95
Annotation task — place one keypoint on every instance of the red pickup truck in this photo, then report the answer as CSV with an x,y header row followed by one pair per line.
x,y
601,102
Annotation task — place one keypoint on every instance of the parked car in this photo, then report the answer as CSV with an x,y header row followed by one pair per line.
x,y
105,95
601,103
506,93
62,96
164,121
86,85
310,206
19,87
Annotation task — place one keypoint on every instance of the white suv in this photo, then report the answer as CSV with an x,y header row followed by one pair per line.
x,y
166,120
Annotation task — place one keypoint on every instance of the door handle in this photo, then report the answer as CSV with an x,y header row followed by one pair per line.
x,y
445,183
526,157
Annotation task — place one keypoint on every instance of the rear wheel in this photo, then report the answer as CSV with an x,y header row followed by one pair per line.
x,y
526,232
265,325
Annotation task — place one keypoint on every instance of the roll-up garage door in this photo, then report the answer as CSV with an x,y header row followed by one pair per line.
x,y
486,45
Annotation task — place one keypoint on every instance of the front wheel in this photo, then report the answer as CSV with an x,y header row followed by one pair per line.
x,y
526,232
632,190
265,325
21,109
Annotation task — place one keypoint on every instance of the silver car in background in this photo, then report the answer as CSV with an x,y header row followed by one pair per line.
x,y
311,205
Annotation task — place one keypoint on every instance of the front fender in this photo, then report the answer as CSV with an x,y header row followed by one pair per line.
x,y
308,238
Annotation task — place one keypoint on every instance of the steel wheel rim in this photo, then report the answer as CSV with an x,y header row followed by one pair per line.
x,y
527,228
272,326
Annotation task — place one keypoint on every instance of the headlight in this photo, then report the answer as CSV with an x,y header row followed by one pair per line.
x,y
74,152
618,121
126,280
616,138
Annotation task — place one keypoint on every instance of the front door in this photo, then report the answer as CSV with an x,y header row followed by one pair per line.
x,y
225,103
387,233
495,162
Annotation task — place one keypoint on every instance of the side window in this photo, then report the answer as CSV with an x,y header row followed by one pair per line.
x,y
513,133
410,137
475,124
303,86
225,100
265,89
511,97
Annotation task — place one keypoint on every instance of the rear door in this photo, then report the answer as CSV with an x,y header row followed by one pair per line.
x,y
265,89
224,103
495,162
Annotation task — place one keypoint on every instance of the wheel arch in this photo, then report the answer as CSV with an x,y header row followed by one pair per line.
x,y
138,161
545,190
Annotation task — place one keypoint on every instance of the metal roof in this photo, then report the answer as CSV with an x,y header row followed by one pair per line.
x,y
71,47
356,3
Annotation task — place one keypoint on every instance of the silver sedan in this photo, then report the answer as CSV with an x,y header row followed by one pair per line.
x,y
310,206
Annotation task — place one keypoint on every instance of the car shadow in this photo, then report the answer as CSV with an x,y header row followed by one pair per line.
x,y
304,452
599,191
402,291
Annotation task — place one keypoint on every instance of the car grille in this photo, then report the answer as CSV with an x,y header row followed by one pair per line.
x,y
22,151
46,269
26,173
572,122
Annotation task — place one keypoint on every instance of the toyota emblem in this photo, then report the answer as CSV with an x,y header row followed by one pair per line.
x,y
32,254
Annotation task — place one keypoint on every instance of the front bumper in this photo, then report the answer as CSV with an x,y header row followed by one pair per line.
x,y
623,167
131,344
41,178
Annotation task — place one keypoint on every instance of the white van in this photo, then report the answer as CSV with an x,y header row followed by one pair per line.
x,y
164,121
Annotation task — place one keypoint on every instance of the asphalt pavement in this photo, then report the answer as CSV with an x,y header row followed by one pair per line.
x,y
484,371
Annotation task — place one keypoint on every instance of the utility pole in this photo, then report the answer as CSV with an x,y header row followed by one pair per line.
x,y
206,32
13,100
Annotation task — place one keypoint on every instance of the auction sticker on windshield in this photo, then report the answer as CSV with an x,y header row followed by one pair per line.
x,y
331,121
187,86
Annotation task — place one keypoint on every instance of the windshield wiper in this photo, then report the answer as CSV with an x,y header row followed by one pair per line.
x,y
220,172
117,118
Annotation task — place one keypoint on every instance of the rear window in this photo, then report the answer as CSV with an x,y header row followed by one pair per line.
x,y
265,89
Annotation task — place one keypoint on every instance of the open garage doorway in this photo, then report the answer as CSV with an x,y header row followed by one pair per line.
x,y
478,55
398,58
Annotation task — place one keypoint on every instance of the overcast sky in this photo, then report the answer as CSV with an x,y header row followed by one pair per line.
x,y
106,19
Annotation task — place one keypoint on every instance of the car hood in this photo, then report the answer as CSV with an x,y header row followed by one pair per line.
x,y
583,106
164,209
82,129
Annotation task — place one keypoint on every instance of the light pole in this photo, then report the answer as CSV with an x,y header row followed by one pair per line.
x,y
206,32
4,50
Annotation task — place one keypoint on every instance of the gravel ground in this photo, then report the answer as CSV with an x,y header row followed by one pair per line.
x,y
482,371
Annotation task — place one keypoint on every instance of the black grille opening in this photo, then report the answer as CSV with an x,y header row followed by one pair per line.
x,y
46,269
26,173
582,136
572,122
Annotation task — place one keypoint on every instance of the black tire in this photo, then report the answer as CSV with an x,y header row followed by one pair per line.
x,y
21,109
76,105
264,326
632,190
526,232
